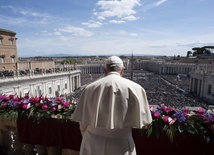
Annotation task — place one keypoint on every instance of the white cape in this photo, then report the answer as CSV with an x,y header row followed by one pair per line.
x,y
113,102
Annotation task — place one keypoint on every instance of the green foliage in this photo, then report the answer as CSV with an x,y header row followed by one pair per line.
x,y
70,61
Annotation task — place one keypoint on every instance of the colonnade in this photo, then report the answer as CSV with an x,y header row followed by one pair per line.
x,y
91,69
48,84
202,84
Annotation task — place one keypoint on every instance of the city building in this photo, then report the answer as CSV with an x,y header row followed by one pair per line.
x,y
8,50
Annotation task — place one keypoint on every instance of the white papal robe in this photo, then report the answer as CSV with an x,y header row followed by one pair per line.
x,y
107,111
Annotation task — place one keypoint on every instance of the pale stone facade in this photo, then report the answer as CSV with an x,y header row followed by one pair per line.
x,y
36,64
202,83
44,84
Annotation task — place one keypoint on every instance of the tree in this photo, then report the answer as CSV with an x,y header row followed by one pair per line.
x,y
188,53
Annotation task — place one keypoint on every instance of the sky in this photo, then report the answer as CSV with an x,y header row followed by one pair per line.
x,y
108,27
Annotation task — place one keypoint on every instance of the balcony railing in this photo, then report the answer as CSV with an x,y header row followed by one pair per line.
x,y
40,125
54,137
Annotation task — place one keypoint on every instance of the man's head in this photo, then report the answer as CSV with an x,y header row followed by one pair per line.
x,y
114,64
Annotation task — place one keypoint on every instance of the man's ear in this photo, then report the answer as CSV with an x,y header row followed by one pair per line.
x,y
122,71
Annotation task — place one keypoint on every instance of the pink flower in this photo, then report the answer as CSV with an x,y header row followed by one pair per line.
x,y
171,121
37,104
19,103
3,105
34,100
185,110
15,99
11,96
74,101
166,109
66,104
53,108
41,98
25,106
156,115
165,119
6,98
200,111
59,100
44,107
59,107
151,107
47,98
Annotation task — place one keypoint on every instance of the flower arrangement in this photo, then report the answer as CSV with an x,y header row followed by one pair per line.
x,y
174,122
166,120
36,107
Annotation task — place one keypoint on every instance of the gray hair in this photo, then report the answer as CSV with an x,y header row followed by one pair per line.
x,y
113,67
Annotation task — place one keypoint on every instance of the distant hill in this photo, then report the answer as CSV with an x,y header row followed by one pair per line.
x,y
92,55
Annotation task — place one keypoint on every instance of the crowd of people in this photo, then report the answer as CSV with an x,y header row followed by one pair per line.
x,y
161,89
169,92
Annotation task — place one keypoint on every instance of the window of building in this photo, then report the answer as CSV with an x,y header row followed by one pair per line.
x,y
26,92
13,60
11,41
2,60
39,90
49,90
1,39
66,85
58,87
209,89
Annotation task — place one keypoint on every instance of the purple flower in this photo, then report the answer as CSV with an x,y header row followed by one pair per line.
x,y
208,117
180,116
12,104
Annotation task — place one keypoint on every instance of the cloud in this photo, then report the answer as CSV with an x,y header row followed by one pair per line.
x,y
130,18
149,6
116,21
13,20
134,34
113,11
118,11
116,8
67,33
76,31
92,24
25,16
160,2
125,33
26,12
